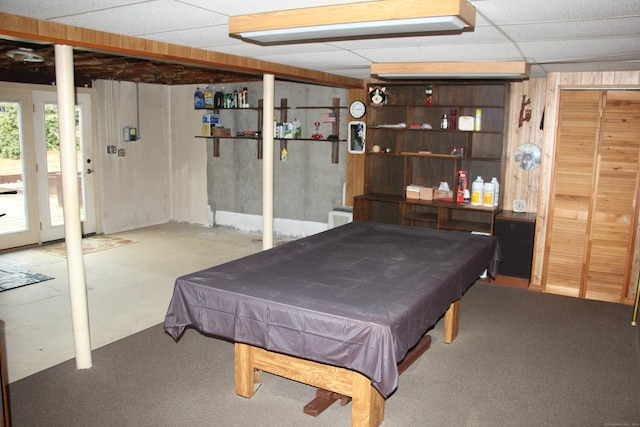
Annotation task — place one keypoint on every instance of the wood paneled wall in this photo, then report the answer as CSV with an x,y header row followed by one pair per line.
x,y
519,183
554,83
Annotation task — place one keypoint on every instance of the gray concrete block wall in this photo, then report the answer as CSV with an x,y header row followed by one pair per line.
x,y
307,186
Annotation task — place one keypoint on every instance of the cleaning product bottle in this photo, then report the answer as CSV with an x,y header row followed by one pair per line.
x,y
496,191
297,128
208,97
476,191
218,99
487,195
198,98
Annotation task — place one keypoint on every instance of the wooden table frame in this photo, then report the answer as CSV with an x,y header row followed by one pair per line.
x,y
367,402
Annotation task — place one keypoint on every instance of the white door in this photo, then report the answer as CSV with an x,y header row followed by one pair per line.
x,y
18,191
50,199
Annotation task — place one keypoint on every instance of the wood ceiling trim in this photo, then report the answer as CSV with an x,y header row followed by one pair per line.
x,y
30,29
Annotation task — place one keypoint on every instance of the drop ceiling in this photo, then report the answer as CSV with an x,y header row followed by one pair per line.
x,y
553,36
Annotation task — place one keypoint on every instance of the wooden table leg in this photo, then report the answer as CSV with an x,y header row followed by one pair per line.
x,y
367,406
451,322
245,372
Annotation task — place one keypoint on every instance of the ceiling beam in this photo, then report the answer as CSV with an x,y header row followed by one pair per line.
x,y
17,27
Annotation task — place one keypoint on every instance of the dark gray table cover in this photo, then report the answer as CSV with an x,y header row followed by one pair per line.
x,y
357,296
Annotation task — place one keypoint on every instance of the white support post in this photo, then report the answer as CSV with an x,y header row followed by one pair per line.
x,y
267,161
71,205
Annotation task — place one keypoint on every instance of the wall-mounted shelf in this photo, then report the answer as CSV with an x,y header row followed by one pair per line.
x,y
283,109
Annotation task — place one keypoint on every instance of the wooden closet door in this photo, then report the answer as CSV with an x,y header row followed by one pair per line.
x,y
593,209
570,198
614,213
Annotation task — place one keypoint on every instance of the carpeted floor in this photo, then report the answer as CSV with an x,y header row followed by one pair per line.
x,y
14,277
89,245
522,359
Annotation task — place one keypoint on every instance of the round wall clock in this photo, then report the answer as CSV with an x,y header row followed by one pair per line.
x,y
357,109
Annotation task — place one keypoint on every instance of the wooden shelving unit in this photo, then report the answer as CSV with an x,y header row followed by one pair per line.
x,y
415,150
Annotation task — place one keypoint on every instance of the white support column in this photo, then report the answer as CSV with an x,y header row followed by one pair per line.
x,y
267,161
71,205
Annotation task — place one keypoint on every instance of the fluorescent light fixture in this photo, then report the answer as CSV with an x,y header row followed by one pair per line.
x,y
381,18
516,70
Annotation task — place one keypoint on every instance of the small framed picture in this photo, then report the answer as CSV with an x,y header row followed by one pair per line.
x,y
357,136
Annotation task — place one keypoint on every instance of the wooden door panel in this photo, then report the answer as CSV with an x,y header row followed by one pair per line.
x,y
614,212
571,192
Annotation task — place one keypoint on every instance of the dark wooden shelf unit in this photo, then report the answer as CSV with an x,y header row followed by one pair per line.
x,y
411,153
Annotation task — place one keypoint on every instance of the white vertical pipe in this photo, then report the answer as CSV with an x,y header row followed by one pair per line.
x,y
71,205
267,160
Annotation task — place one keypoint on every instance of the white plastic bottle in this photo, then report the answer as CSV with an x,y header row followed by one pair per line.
x,y
476,191
496,191
487,195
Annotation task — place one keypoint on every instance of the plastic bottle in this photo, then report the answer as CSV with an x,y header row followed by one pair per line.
x,y
476,191
487,195
478,121
198,98
218,99
496,191
297,128
445,122
208,97
275,127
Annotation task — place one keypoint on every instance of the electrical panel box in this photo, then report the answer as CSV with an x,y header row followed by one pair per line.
x,y
130,134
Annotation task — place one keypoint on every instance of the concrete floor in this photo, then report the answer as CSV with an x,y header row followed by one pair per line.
x,y
129,289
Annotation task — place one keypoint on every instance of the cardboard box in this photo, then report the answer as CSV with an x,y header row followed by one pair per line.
x,y
443,195
426,193
413,192
220,132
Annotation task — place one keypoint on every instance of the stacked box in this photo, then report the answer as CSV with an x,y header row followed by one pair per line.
x,y
413,191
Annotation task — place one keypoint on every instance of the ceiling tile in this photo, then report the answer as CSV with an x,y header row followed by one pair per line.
x,y
46,9
502,12
144,18
611,27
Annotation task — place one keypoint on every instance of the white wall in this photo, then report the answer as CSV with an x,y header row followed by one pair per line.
x,y
188,160
135,189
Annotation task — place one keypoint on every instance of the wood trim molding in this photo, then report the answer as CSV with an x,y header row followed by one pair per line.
x,y
17,27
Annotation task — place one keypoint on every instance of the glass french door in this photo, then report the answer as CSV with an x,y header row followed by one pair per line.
x,y
30,182
18,199
50,199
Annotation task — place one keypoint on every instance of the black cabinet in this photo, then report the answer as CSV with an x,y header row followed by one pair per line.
x,y
515,232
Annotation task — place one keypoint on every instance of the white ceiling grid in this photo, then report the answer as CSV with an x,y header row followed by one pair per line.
x,y
590,35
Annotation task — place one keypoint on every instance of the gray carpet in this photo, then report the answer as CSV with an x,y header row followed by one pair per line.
x,y
521,359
